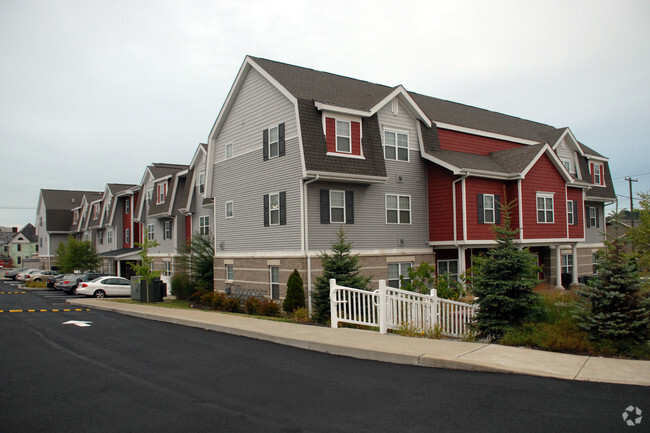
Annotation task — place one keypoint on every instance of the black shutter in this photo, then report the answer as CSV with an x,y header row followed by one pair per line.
x,y
597,217
265,144
497,209
349,207
281,139
324,206
588,210
481,211
283,208
266,210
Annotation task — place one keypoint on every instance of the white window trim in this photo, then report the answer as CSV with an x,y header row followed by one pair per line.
x,y
228,150
337,135
493,209
565,263
593,216
230,272
202,226
271,210
232,209
544,195
271,282
167,230
598,174
454,277
397,147
403,268
337,207
161,192
150,232
570,213
386,209
277,142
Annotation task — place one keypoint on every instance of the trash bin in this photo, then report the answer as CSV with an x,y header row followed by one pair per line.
x,y
157,291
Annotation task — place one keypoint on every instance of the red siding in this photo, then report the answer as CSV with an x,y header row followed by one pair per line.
x,y
136,236
544,177
475,186
441,224
468,143
126,221
330,134
577,231
188,228
356,138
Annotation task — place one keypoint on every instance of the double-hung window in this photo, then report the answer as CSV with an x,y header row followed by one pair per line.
x,y
275,209
343,138
201,182
567,263
204,225
109,236
274,272
488,210
398,274
597,174
571,212
593,217
150,233
230,209
167,234
396,146
167,268
273,144
337,206
545,208
449,268
162,192
230,272
148,196
398,209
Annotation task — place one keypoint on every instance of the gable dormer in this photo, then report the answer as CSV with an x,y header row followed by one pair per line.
x,y
342,135
569,152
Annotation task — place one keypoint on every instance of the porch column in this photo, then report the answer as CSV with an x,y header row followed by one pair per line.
x,y
558,267
574,252
462,265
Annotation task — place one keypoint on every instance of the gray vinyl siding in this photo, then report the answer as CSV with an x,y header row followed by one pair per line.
x,y
246,177
595,234
370,230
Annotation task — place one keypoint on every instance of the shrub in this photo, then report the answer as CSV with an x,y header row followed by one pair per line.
x,y
295,293
182,287
218,300
252,306
301,315
206,299
231,305
36,284
269,307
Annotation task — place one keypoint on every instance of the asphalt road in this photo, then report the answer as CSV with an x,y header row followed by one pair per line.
x,y
122,374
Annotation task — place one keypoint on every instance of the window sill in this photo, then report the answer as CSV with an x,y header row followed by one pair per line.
x,y
345,155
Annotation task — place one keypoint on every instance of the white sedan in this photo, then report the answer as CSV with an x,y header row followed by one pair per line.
x,y
105,286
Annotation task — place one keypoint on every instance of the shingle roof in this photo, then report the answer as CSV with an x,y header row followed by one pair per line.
x,y
309,86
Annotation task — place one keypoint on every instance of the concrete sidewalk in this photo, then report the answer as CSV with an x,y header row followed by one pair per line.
x,y
394,348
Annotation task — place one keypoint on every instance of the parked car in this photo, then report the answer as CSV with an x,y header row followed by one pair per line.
x,y
69,285
21,276
39,276
105,286
53,279
12,273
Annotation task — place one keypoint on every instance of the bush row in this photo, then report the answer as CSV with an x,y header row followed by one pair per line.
x,y
219,301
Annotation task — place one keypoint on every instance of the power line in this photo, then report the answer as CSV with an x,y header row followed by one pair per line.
x,y
635,175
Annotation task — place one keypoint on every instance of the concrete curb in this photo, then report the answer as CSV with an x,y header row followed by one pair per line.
x,y
396,349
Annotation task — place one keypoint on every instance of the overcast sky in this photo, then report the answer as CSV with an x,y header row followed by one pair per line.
x,y
91,92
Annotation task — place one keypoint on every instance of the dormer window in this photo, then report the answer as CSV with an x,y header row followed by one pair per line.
x,y
200,182
343,136
75,217
569,166
95,210
597,174
161,192
148,196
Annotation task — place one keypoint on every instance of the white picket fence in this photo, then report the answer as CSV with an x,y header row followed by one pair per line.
x,y
389,308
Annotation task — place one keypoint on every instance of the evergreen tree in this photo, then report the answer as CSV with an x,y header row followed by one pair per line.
x,y
198,259
503,280
614,308
340,265
295,293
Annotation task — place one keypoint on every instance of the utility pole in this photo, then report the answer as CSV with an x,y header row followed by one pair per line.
x,y
630,180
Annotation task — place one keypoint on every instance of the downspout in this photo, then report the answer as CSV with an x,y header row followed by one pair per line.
x,y
453,193
306,238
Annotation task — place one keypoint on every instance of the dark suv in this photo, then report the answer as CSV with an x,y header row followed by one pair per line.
x,y
69,285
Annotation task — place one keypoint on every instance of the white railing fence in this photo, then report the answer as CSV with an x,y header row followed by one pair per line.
x,y
389,308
